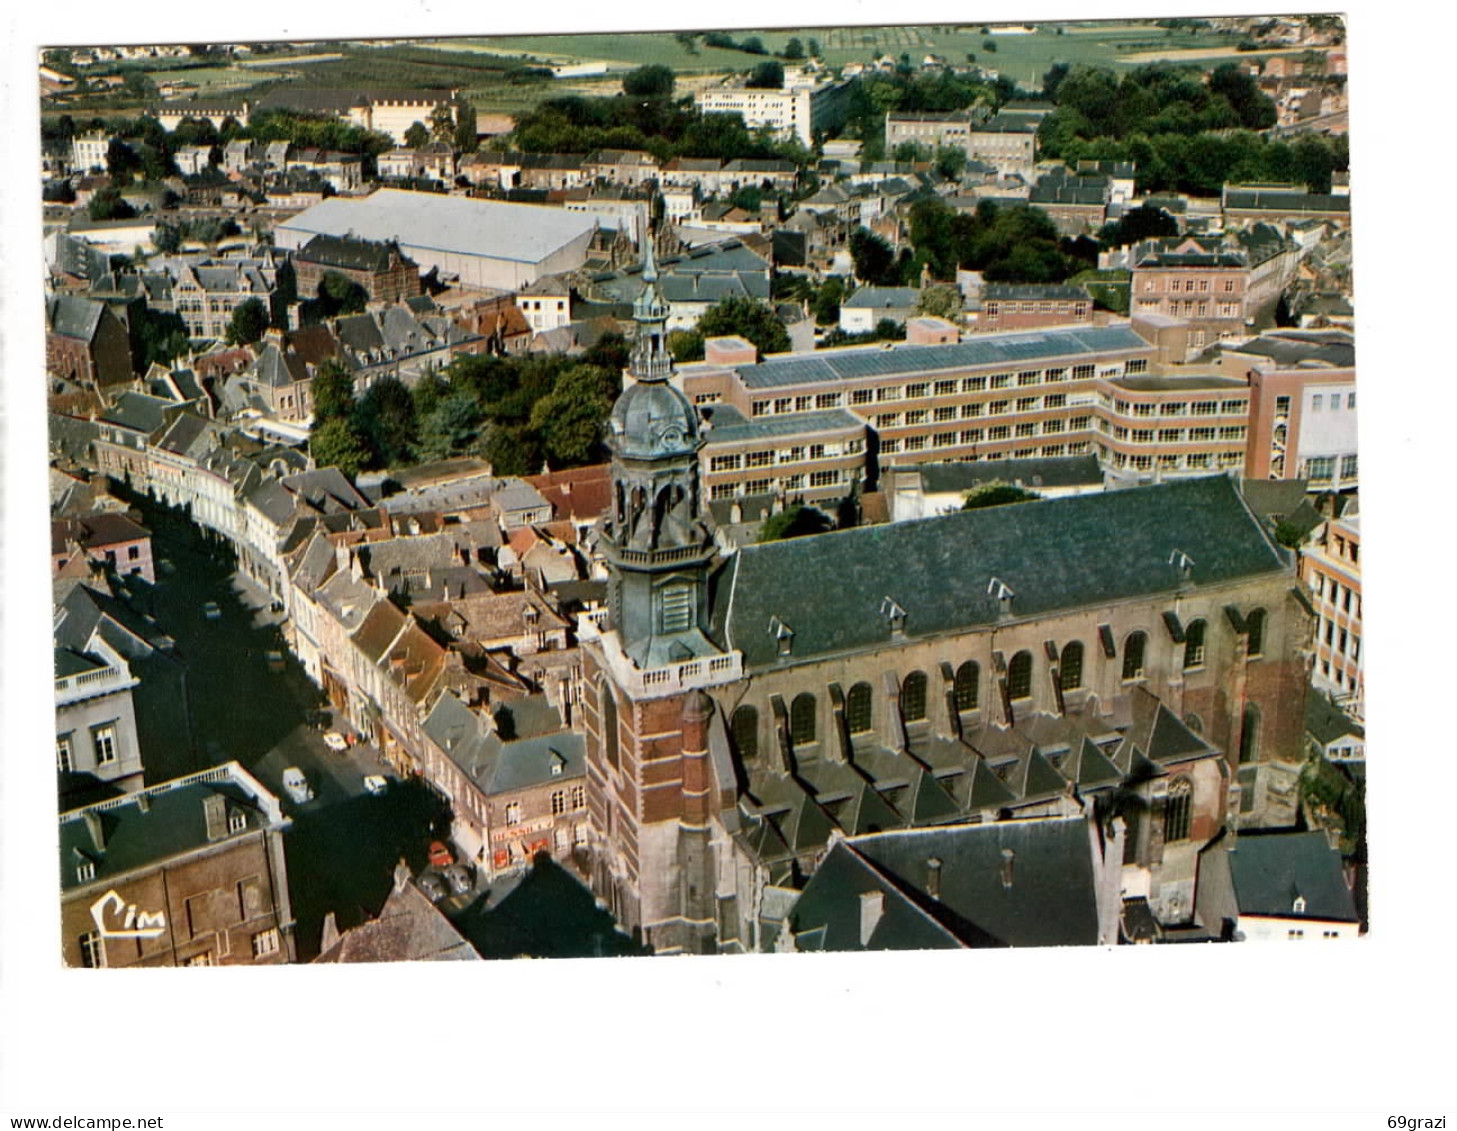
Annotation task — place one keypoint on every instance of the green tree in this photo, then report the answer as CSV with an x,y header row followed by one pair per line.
x,y
442,124
465,139
942,300
746,318
997,494
951,162
1141,223
768,75
795,522
333,392
250,320
569,419
454,425
814,49
827,302
655,80
107,204
794,49
384,418
122,161
336,443
338,294
685,345
874,260
417,136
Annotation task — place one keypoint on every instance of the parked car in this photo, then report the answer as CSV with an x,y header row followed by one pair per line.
x,y
433,886
376,783
211,611
439,855
275,661
297,786
335,741
459,879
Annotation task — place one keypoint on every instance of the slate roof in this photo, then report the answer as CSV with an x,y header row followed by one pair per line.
x,y
72,316
834,366
345,251
1069,471
1283,201
1271,870
827,914
883,298
1326,722
139,412
1042,895
1021,292
731,426
172,824
1290,348
1054,554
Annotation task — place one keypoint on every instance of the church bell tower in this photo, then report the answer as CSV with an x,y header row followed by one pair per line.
x,y
657,538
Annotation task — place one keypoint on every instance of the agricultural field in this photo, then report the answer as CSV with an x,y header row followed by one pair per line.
x,y
1024,56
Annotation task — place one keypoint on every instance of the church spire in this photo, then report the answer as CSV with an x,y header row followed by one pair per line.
x,y
651,360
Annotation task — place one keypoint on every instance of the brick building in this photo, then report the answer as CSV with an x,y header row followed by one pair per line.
x,y
1139,650
1218,286
1031,306
385,272
86,343
186,873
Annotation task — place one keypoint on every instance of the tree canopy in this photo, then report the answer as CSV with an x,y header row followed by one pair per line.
x,y
250,319
746,318
655,80
997,494
795,522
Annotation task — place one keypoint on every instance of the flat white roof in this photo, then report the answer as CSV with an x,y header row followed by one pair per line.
x,y
492,229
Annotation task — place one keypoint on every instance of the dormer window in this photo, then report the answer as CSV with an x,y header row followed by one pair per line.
x,y
1299,905
237,821
85,872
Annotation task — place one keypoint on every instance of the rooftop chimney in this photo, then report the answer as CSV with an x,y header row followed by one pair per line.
x,y
872,907
98,834
933,877
215,813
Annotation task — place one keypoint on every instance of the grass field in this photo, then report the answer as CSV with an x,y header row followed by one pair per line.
x,y
1025,57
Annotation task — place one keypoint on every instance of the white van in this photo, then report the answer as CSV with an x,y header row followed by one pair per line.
x,y
297,785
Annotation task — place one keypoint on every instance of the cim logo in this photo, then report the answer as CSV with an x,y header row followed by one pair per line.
x,y
134,924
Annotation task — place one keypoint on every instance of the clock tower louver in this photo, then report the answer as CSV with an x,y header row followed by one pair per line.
x,y
654,794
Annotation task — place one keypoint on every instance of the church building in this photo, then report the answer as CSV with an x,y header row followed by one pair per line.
x,y
1133,655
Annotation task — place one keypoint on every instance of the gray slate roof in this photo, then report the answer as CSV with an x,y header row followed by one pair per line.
x,y
1271,870
1070,471
1054,554
732,427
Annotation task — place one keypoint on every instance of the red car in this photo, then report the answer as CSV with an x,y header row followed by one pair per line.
x,y
439,855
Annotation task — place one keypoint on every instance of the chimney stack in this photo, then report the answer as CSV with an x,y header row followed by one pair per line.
x,y
215,813
872,907
933,877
